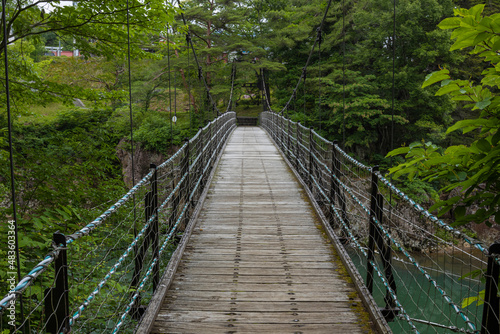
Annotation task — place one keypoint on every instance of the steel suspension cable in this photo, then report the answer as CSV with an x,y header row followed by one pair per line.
x,y
11,156
200,70
131,113
233,74
319,78
343,73
169,89
265,91
304,88
393,74
318,30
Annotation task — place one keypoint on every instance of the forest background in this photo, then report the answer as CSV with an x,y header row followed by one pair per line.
x,y
348,94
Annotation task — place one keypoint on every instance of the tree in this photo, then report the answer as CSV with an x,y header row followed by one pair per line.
x,y
95,27
367,29
474,169
223,32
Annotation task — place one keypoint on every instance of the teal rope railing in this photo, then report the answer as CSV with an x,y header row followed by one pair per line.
x,y
207,142
297,142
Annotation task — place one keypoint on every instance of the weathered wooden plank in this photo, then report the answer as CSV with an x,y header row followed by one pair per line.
x,y
258,265
312,286
342,316
261,296
266,279
252,271
232,244
246,306
254,238
252,257
230,328
251,251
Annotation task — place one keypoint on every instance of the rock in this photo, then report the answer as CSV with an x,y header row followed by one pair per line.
x,y
78,103
142,161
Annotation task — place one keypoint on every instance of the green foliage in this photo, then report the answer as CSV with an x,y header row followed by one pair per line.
x,y
364,112
156,133
95,28
473,169
78,147
362,99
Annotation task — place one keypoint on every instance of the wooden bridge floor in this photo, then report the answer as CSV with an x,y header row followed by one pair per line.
x,y
257,261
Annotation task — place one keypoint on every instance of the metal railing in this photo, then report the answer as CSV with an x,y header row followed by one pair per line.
x,y
100,278
425,276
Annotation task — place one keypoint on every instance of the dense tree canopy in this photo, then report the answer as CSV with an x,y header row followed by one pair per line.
x,y
95,28
472,169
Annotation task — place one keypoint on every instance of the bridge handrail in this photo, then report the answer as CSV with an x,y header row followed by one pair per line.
x,y
126,253
379,273
49,258
178,221
165,243
471,241
412,260
351,159
305,149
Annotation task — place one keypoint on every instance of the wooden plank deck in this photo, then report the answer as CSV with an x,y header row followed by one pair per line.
x,y
256,261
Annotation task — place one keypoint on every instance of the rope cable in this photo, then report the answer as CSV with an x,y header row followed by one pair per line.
x,y
189,80
343,73
304,87
202,77
319,78
175,95
169,89
393,74
131,113
318,30
11,155
265,91
233,74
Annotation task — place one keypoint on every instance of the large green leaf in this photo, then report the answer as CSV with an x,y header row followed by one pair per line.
x,y
436,77
450,23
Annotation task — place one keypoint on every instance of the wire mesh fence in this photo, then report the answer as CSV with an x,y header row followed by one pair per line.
x,y
100,278
424,275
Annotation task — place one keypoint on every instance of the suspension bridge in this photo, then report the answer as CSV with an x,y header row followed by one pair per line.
x,y
268,228
261,229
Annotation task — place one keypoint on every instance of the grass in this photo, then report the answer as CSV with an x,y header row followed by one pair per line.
x,y
40,114
248,111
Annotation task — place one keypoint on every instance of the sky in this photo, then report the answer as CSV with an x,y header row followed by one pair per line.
x,y
48,7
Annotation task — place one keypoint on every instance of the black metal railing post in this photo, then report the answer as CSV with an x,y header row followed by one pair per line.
x,y
210,141
491,310
57,298
333,182
288,150
297,147
187,183
154,234
277,125
278,130
282,132
372,230
203,158
311,147
376,239
390,311
275,128
151,238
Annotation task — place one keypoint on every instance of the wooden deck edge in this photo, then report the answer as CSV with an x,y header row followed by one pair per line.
x,y
376,316
149,317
